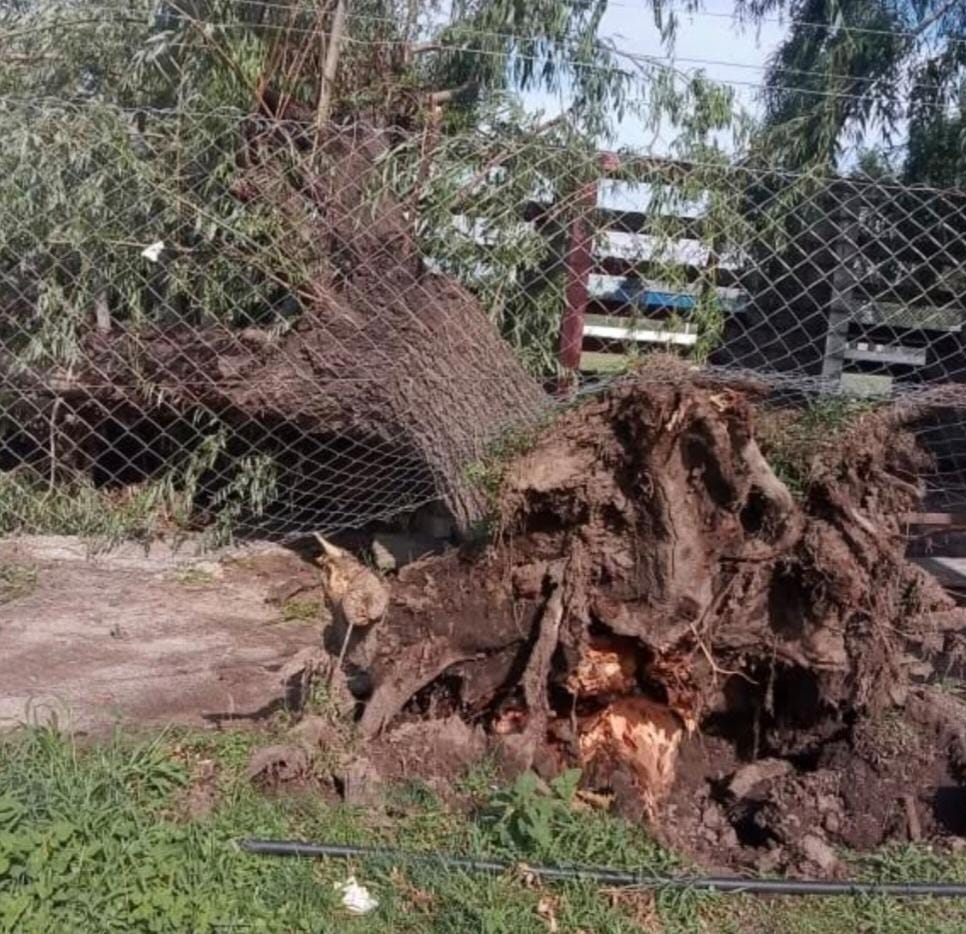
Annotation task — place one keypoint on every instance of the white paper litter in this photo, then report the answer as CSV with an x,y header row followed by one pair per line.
x,y
153,253
356,899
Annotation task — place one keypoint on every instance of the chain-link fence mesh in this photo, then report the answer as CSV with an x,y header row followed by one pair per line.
x,y
267,319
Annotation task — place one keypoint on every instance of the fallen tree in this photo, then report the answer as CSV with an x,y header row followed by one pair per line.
x,y
138,292
385,356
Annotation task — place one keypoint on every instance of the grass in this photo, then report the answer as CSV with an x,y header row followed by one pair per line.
x,y
193,576
790,439
488,473
892,735
93,839
104,516
165,504
301,611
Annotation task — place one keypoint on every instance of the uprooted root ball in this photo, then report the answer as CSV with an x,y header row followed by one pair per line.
x,y
653,578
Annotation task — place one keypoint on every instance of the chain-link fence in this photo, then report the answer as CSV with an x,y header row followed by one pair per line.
x,y
270,319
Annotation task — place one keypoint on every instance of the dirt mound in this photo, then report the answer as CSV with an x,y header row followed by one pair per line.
x,y
659,609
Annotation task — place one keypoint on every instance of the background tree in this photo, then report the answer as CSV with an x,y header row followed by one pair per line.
x,y
867,73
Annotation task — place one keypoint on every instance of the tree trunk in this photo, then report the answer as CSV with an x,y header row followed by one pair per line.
x,y
400,367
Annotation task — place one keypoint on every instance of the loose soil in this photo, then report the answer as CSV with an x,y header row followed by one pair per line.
x,y
760,676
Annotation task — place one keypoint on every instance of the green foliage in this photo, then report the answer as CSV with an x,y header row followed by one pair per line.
x,y
504,162
90,840
530,816
192,576
119,134
85,846
790,440
937,146
93,839
122,130
301,611
251,488
79,508
537,44
489,472
542,821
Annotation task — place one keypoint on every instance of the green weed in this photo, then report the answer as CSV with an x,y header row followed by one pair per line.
x,y
790,440
144,511
89,842
193,576
539,820
489,472
301,611
891,734
480,781
79,508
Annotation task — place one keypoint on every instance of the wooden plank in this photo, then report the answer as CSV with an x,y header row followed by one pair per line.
x,y
866,385
595,362
633,222
625,322
648,293
911,317
866,352
640,268
950,572
945,520
637,222
646,332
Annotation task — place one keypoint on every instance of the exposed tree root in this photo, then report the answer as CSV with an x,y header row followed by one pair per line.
x,y
652,572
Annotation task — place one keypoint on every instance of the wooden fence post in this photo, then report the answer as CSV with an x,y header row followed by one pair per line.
x,y
577,264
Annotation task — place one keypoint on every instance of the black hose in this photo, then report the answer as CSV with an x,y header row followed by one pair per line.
x,y
614,877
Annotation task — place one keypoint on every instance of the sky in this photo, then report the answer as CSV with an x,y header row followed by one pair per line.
x,y
710,40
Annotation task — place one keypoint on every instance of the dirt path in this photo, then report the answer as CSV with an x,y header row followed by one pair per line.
x,y
151,638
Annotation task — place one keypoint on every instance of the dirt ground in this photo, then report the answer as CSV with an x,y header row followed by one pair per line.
x,y
893,779
150,637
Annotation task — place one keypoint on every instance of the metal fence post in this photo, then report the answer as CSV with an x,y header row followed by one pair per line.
x,y
577,264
